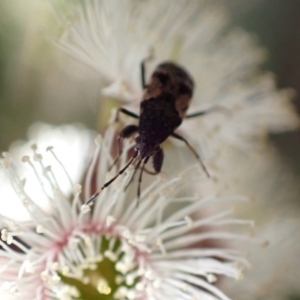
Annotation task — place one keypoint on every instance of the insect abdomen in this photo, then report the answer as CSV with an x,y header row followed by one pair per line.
x,y
169,78
159,118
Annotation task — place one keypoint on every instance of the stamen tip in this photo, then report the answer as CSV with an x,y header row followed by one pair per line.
x,y
85,208
110,220
34,147
25,159
77,188
265,244
6,160
162,176
37,157
48,169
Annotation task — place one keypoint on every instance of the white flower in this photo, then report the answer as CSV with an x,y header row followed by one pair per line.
x,y
275,194
116,248
275,273
72,145
113,37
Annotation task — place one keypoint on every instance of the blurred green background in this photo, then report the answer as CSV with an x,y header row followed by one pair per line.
x,y
276,23
36,82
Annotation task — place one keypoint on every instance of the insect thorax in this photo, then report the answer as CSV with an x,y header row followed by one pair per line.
x,y
158,119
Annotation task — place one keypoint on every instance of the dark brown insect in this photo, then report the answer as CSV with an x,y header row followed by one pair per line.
x,y
165,102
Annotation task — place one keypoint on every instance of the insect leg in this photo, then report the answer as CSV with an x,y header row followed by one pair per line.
x,y
179,137
150,172
157,167
140,178
143,75
121,171
125,112
158,160
114,178
126,132
157,163
210,110
133,174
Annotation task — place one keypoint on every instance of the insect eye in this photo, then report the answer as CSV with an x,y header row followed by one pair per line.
x,y
163,78
184,89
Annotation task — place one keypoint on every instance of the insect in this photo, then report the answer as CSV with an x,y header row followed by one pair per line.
x,y
165,101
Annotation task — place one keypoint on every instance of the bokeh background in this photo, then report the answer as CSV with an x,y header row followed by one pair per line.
x,y
39,83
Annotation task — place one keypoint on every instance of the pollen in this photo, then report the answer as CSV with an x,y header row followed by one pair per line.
x,y
239,276
6,154
26,202
77,188
55,266
73,242
34,147
86,280
37,157
162,176
110,220
85,208
29,267
211,278
110,255
65,270
160,244
157,283
140,238
130,279
88,240
48,169
40,229
10,239
54,279
184,287
5,163
4,234
44,275
25,159
265,244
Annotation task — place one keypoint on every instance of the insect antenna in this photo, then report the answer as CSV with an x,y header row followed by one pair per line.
x,y
136,168
120,151
133,174
140,178
114,178
114,162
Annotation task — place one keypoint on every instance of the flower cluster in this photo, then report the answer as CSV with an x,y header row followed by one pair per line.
x,y
116,249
